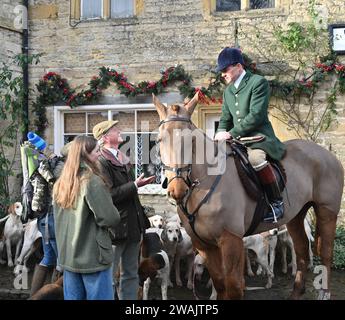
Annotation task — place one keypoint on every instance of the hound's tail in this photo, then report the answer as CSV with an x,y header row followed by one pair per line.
x,y
4,218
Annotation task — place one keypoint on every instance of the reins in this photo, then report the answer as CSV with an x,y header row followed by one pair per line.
x,y
183,206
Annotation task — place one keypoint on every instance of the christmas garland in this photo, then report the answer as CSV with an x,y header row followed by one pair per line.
x,y
53,88
308,84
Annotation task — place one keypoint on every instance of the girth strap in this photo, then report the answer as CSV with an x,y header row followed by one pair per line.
x,y
257,217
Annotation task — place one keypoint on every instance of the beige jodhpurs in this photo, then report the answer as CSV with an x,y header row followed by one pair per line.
x,y
257,158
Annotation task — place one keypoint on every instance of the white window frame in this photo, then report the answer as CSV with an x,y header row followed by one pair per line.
x,y
59,112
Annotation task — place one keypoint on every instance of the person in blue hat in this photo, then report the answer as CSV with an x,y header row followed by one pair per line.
x,y
245,114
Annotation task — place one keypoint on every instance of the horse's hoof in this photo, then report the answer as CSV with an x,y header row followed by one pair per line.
x,y
17,269
324,295
10,264
294,296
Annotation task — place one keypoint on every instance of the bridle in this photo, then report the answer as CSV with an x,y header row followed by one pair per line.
x,y
191,185
177,170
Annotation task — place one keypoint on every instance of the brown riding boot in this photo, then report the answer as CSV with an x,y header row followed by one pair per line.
x,y
39,278
272,190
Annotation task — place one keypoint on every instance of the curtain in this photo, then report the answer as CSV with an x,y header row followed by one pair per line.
x,y
91,9
122,8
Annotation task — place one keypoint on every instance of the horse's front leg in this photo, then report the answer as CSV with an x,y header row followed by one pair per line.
x,y
213,261
226,266
232,253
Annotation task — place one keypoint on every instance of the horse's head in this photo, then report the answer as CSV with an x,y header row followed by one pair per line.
x,y
175,145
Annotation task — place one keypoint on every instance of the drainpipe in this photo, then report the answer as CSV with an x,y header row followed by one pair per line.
x,y
25,51
237,45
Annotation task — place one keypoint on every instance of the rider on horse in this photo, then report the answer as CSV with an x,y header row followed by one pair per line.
x,y
244,114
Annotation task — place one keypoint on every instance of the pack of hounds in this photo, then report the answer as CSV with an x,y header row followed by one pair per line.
x,y
165,244
173,242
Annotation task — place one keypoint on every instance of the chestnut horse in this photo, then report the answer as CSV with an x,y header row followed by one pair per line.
x,y
315,178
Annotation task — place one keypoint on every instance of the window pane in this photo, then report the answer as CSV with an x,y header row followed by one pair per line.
x,y
68,138
91,9
260,4
122,8
95,117
148,161
126,120
147,120
74,122
228,5
128,145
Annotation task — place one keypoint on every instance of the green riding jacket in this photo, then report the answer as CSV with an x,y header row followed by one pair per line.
x,y
245,114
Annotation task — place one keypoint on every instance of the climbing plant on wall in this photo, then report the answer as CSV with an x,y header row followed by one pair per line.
x,y
305,75
12,95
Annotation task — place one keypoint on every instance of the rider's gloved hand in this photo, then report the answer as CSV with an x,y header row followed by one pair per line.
x,y
222,135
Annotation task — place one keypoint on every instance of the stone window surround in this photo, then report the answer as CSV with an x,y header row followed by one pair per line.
x,y
76,10
59,112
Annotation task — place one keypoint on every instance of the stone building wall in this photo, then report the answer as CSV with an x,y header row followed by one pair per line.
x,y
10,45
162,34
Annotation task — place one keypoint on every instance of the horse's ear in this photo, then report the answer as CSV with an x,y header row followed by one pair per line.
x,y
190,106
161,108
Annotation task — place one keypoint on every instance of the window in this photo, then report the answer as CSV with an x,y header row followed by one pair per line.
x,y
228,5
138,125
97,9
91,9
121,8
81,123
261,4
236,5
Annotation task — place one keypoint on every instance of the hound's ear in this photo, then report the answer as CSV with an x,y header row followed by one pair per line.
x,y
161,108
190,106
164,235
11,209
180,236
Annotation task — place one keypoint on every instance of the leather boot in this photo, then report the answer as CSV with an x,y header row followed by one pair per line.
x,y
269,181
39,278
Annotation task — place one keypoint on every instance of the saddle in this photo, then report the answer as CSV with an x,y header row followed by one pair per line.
x,y
251,182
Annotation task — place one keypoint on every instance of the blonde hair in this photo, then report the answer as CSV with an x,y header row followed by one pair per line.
x,y
77,169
